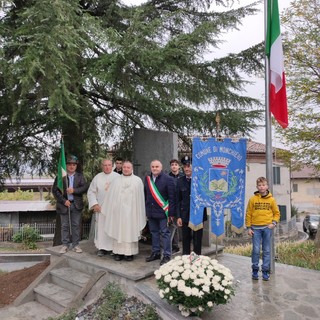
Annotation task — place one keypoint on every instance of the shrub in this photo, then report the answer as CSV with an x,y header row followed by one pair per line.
x,y
28,236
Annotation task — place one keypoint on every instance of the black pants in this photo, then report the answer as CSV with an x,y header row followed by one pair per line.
x,y
187,236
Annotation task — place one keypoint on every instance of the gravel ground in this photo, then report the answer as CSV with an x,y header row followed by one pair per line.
x,y
131,309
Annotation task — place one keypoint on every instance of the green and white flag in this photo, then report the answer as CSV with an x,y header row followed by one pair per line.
x,y
62,167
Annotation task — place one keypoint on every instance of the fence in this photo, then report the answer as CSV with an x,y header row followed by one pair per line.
x,y
45,230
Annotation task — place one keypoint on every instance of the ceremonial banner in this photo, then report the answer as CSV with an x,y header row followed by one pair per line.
x,y
218,182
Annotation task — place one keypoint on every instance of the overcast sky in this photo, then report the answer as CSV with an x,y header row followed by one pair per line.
x,y
250,33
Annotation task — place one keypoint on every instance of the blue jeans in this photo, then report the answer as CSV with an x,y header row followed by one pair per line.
x,y
160,232
264,236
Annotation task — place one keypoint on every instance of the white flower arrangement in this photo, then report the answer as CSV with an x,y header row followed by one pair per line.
x,y
194,283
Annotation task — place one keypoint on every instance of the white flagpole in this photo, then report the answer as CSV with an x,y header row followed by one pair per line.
x,y
269,155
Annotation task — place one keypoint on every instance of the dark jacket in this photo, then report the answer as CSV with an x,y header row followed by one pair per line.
x,y
80,187
183,200
166,187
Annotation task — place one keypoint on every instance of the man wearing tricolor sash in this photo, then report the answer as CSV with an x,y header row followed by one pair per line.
x,y
160,199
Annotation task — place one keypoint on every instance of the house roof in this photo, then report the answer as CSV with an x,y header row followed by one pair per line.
x,y
24,206
304,172
46,182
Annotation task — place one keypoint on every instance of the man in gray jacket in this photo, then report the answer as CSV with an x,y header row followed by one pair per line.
x,y
70,205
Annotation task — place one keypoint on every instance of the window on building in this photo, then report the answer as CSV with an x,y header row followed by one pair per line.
x,y
276,175
295,187
283,212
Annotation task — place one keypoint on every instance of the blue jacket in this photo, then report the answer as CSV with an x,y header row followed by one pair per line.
x,y
166,187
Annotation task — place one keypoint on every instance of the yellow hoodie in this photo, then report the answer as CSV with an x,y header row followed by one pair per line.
x,y
262,210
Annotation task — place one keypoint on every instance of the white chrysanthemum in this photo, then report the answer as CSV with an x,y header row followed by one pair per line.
x,y
227,291
217,278
197,282
175,274
185,313
210,304
167,278
205,262
161,294
216,287
158,276
209,273
187,291
166,290
180,269
176,268
207,281
171,298
195,291
193,276
185,275
200,309
224,283
225,297
205,288
173,283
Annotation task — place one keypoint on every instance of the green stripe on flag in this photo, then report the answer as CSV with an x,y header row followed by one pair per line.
x,y
62,167
273,24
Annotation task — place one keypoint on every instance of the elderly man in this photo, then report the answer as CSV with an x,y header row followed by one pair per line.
x,y
70,205
125,213
160,198
97,192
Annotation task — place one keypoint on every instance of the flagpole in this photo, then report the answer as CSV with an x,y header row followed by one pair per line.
x,y
268,122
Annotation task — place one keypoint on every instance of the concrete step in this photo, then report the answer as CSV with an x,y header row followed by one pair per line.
x,y
53,296
70,279
28,311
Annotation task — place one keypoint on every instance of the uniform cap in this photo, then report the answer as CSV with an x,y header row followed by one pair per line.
x,y
186,160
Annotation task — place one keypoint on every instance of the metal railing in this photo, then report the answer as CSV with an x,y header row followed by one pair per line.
x,y
45,230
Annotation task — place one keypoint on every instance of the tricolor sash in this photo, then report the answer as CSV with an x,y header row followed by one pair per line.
x,y
164,204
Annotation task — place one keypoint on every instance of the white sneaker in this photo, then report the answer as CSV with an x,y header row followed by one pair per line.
x,y
63,249
77,249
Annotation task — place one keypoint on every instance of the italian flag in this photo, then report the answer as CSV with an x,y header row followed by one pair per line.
x,y
62,167
278,95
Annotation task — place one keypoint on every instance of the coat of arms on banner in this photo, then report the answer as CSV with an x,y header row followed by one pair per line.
x,y
218,182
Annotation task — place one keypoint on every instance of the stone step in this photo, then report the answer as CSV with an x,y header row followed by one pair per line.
x,y
69,278
53,296
32,310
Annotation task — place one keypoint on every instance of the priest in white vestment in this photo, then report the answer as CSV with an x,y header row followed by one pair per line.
x,y
99,188
125,213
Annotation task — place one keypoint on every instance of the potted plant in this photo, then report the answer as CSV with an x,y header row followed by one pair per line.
x,y
194,283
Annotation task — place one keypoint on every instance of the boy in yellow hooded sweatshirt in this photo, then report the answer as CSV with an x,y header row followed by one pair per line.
x,y
261,217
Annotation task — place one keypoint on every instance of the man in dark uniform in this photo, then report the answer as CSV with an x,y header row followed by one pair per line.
x,y
70,205
175,173
183,211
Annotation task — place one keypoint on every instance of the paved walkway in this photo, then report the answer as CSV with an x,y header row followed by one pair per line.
x,y
291,294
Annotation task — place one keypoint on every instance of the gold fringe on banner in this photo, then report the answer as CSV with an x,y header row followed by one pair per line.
x,y
195,227
237,230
